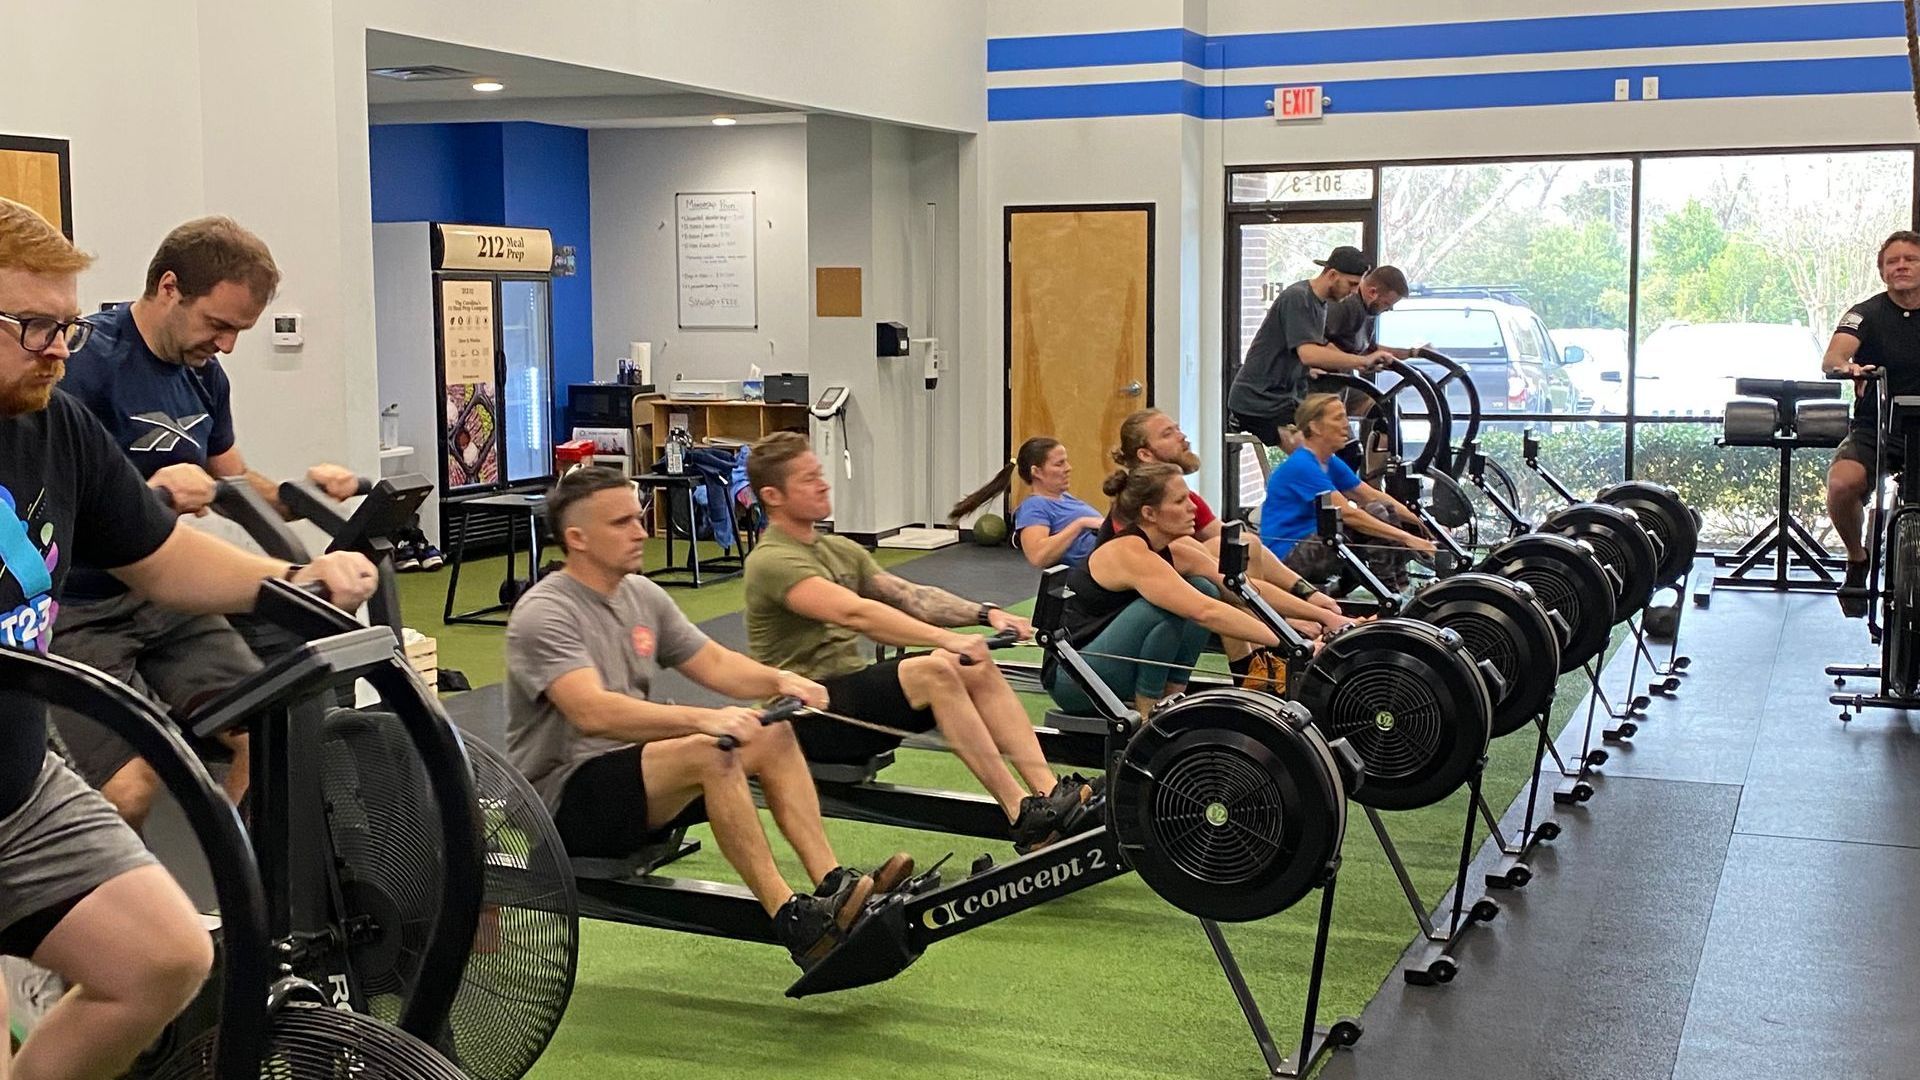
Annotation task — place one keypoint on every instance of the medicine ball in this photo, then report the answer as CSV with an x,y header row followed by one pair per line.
x,y
990,530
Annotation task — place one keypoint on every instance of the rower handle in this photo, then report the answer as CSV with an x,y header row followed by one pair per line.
x,y
1004,639
782,709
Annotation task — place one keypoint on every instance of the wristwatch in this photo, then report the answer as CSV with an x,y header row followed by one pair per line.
x,y
1303,588
291,570
986,613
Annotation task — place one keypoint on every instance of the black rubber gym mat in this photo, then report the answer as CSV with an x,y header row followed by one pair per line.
x,y
1808,968
1587,971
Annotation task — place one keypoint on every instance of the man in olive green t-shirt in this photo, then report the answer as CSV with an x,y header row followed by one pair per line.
x,y
812,597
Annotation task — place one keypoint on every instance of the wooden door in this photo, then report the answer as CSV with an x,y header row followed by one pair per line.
x,y
1079,330
34,172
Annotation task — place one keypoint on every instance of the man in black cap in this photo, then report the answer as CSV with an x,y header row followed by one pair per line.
x,y
1291,344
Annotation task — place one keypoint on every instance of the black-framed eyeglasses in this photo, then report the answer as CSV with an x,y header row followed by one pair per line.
x,y
38,332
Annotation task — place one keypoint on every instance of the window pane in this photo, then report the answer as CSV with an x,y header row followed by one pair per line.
x,y
1273,257
1303,186
1735,488
1747,263
1584,455
1498,253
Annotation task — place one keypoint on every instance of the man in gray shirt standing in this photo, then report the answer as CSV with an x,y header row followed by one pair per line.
x,y
618,770
1273,379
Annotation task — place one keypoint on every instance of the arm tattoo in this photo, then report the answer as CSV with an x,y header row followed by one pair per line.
x,y
924,602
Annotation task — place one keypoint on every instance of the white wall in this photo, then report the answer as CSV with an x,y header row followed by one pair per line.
x,y
634,177
260,111
916,64
136,153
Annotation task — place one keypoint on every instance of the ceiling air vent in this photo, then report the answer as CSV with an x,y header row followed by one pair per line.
x,y
421,73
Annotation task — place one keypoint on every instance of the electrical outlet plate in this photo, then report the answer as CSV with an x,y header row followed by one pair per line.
x,y
1620,92
1650,88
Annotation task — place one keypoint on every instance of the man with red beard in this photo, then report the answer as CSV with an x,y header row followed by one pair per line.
x,y
79,893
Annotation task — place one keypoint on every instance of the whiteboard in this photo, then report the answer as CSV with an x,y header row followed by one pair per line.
x,y
716,259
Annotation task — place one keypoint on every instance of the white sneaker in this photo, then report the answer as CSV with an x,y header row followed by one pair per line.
x,y
31,993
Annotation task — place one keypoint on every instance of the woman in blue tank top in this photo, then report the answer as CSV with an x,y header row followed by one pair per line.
x,y
1051,525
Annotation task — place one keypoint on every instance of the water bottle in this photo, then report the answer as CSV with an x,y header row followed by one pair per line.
x,y
390,427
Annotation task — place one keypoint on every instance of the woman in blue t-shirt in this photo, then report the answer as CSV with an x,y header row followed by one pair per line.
x,y
1051,526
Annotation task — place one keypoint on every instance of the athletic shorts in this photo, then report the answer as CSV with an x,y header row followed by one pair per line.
x,y
872,693
1264,428
64,842
182,661
603,808
1858,446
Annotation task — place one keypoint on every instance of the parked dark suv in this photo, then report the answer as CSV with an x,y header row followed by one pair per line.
x,y
1501,342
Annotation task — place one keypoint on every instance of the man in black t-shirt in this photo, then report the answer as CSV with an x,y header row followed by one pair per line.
x,y
1878,333
79,894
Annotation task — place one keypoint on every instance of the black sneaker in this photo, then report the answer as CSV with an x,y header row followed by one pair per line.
x,y
430,557
1854,607
813,926
887,877
1045,819
406,557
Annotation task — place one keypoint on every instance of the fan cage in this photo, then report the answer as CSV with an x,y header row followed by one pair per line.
x,y
1218,816
1391,716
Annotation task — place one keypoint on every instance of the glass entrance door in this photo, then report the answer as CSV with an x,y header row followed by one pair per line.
x,y
1275,253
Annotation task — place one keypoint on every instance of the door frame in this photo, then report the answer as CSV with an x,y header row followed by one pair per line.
x,y
1006,308
1368,216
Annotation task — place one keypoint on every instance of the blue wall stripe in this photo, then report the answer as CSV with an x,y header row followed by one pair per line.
x,y
1499,37
1757,78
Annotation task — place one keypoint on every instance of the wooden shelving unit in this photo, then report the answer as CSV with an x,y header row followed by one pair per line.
x,y
747,421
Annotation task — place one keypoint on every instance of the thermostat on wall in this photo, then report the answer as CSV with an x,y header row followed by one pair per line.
x,y
286,331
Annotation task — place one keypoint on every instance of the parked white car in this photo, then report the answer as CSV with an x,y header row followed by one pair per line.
x,y
1688,369
1595,361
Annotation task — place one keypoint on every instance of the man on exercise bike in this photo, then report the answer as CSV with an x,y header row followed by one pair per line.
x,y
618,770
811,597
150,373
1881,333
1291,346
79,892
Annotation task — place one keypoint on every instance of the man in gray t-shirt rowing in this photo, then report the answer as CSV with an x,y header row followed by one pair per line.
x,y
1291,344
619,770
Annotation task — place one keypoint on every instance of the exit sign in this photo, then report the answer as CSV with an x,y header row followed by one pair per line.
x,y
1296,102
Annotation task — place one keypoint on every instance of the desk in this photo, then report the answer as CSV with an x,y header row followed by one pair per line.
x,y
527,507
720,569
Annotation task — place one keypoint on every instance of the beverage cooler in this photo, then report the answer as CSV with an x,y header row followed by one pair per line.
x,y
494,346
464,315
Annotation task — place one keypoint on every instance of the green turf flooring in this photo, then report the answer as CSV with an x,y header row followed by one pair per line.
x,y
1109,982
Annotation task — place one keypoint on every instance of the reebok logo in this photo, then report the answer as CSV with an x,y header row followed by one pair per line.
x,y
167,431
